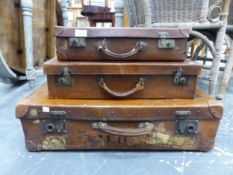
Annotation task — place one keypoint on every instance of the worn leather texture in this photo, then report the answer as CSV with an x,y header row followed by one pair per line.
x,y
122,42
126,124
120,79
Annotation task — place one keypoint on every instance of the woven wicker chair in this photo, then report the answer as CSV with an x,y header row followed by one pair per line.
x,y
229,65
201,16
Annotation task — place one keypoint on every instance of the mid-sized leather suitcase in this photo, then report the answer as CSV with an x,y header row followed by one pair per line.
x,y
121,44
178,124
97,80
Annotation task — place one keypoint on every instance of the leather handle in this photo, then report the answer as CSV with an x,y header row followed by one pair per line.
x,y
139,46
143,129
138,87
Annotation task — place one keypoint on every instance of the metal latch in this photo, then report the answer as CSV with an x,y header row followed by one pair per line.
x,y
64,79
55,124
179,78
77,42
184,125
164,42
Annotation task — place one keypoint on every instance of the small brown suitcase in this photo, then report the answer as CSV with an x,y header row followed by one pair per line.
x,y
97,80
55,124
89,44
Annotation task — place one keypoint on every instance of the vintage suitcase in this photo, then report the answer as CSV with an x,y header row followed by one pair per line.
x,y
121,44
96,80
55,124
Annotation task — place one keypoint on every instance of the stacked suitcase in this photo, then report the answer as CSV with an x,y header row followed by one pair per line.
x,y
120,89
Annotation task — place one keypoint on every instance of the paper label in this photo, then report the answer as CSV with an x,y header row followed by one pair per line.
x,y
45,109
80,33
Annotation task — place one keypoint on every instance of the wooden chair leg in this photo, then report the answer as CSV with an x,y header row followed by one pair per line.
x,y
64,7
218,55
119,12
226,75
27,6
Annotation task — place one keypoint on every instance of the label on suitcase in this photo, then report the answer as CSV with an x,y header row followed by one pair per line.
x,y
146,80
121,44
52,124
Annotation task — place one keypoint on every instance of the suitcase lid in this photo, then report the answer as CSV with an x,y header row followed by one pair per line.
x,y
38,106
93,32
55,67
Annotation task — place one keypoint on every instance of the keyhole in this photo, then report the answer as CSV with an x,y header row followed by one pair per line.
x,y
182,80
50,127
74,43
191,128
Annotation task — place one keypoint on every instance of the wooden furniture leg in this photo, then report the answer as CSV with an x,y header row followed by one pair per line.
x,y
119,13
28,44
64,7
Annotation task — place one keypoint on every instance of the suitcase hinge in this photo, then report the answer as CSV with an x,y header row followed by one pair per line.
x,y
64,79
179,78
77,42
184,125
164,42
55,124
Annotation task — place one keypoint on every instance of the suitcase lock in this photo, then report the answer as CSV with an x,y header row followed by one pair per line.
x,y
77,42
164,42
55,124
185,126
64,79
180,78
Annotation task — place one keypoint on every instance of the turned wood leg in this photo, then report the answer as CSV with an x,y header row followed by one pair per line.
x,y
28,43
119,12
64,7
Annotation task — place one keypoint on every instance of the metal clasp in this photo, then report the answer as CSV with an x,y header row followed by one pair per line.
x,y
179,78
65,78
55,124
184,125
164,42
77,42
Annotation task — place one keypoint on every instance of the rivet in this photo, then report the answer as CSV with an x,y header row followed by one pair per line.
x,y
33,112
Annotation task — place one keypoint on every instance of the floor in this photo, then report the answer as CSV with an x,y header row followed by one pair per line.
x,y
15,159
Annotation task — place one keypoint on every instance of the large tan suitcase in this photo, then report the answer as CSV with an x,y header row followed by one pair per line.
x,y
58,124
121,44
98,80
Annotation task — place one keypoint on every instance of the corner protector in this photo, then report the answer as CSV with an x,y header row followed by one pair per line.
x,y
22,109
216,109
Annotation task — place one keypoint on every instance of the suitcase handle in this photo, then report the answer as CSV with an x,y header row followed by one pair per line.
x,y
139,46
139,86
143,129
